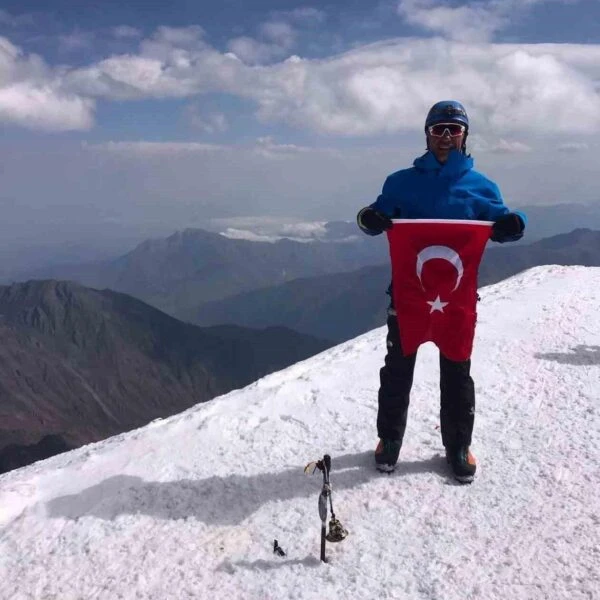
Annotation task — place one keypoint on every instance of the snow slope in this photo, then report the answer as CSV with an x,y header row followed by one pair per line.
x,y
188,507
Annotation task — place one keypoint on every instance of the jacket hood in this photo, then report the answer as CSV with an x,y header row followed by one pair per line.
x,y
457,164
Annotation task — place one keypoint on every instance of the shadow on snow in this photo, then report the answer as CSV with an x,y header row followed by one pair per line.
x,y
579,355
267,565
224,500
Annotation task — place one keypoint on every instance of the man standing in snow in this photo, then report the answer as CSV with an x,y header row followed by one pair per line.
x,y
441,185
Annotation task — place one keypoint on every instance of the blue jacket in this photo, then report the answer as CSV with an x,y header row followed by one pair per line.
x,y
431,190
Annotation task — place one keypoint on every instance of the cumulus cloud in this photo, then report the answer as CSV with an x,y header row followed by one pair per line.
x,y
385,87
379,88
40,107
388,87
255,52
173,62
31,95
470,22
275,40
474,21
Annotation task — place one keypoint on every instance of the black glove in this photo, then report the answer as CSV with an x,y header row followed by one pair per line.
x,y
507,228
374,221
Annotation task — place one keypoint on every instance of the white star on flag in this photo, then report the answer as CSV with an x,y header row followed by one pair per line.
x,y
437,304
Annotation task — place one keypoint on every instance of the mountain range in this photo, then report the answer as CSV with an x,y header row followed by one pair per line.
x,y
344,305
78,364
189,273
330,289
177,273
81,364
32,259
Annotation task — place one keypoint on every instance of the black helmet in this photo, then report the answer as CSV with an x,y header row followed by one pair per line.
x,y
447,111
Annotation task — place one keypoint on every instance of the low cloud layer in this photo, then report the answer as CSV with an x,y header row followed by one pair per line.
x,y
65,190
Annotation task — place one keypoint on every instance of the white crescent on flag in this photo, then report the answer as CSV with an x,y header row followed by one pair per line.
x,y
443,252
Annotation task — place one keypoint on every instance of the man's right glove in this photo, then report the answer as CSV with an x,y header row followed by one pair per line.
x,y
373,221
507,228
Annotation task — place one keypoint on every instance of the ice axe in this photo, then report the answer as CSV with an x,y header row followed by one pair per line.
x,y
336,530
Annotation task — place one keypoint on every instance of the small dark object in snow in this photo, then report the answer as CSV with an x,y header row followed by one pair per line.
x,y
277,549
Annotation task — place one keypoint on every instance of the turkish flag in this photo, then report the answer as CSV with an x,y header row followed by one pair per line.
x,y
434,282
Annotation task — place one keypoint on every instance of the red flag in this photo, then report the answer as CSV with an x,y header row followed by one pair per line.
x,y
434,274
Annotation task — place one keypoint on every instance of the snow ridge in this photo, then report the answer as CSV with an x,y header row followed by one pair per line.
x,y
188,507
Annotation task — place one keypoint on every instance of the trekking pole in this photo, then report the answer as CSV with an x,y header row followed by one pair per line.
x,y
323,496
336,531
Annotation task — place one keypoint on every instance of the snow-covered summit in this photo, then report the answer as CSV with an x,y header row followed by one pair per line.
x,y
188,507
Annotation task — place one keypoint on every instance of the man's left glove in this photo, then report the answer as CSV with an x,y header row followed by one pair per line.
x,y
507,228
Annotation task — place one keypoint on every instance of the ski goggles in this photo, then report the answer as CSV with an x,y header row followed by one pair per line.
x,y
453,129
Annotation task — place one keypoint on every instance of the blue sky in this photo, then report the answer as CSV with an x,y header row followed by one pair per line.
x,y
281,109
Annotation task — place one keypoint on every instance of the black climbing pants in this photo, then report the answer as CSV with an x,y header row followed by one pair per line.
x,y
457,393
